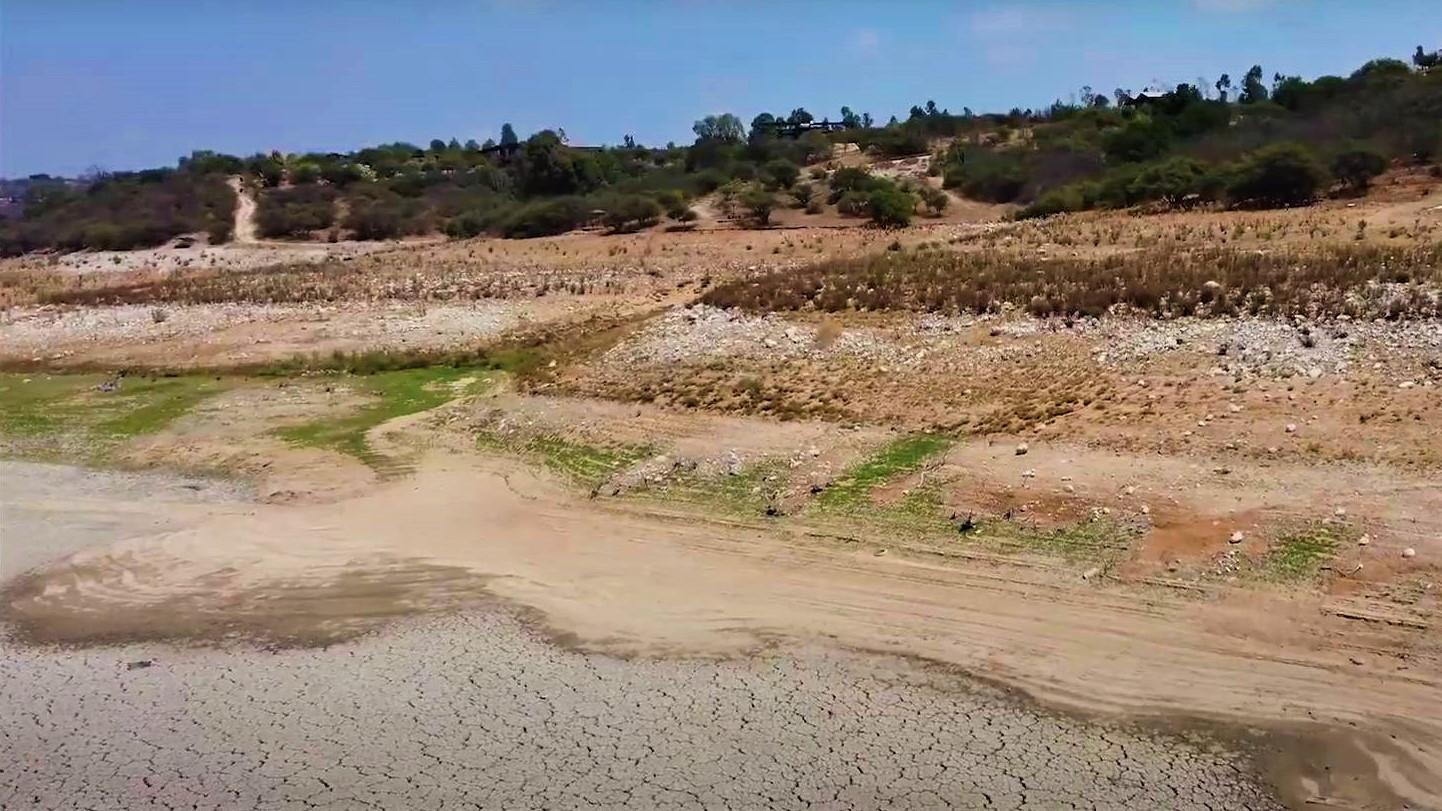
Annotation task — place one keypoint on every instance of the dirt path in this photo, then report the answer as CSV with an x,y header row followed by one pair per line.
x,y
1351,719
245,230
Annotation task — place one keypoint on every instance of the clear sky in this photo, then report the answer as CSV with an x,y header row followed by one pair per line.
x,y
132,84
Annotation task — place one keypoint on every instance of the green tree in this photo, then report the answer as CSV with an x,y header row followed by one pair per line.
x,y
935,200
725,128
1355,168
782,172
1277,175
508,135
759,204
851,120
1253,90
891,207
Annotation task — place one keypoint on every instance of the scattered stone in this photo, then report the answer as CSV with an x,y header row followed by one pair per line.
x,y
1029,473
1237,537
1364,540
141,664
1021,449
1409,552
1091,573
1340,512
1291,428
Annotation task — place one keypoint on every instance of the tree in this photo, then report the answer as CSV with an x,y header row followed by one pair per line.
x,y
1426,61
1356,168
759,203
437,145
508,135
851,120
631,212
472,146
1277,175
800,116
867,121
725,128
1224,86
891,207
935,200
1253,91
761,125
783,173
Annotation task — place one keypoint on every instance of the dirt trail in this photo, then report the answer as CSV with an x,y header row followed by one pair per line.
x,y
625,580
245,230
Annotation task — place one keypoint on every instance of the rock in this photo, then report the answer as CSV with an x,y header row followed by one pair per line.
x,y
1340,512
140,665
1021,449
1029,473
1092,572
1237,537
879,552
1409,552
1364,540
1291,428
1129,490
1146,510
1314,372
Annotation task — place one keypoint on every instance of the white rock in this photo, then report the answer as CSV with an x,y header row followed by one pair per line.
x,y
1237,537
1029,473
1340,512
1291,428
1409,552
1364,540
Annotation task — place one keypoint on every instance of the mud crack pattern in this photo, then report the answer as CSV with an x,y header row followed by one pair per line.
x,y
477,712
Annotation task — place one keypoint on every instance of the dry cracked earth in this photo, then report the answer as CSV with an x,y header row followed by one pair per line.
x,y
475,711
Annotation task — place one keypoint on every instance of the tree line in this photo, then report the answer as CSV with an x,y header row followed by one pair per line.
x,y
1249,142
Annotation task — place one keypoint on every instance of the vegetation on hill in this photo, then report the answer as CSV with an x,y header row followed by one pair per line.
x,y
121,211
1254,143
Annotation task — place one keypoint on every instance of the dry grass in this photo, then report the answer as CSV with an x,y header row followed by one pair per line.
x,y
1361,280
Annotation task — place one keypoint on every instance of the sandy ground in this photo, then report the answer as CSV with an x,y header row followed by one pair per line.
x,y
632,582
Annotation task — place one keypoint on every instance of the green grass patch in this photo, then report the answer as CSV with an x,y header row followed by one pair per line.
x,y
1097,540
42,413
396,394
587,464
852,490
1298,555
747,493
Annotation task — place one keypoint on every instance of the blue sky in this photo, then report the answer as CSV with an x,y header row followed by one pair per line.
x,y
125,85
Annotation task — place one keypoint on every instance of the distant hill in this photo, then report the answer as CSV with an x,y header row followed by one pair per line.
x,y
1248,142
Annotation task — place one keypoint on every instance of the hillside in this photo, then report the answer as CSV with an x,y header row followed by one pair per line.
x,y
1255,144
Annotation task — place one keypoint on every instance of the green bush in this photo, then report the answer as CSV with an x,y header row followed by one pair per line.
x,y
782,173
759,204
545,218
891,207
295,212
1355,168
934,199
984,174
1279,175
630,212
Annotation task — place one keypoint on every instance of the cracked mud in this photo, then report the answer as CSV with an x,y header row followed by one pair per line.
x,y
475,711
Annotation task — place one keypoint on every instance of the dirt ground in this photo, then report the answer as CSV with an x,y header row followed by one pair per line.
x,y
1221,535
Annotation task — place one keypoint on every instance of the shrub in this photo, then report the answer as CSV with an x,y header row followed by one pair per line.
x,y
1355,168
1284,174
984,174
1170,181
545,218
631,212
295,212
854,204
891,207
759,204
934,199
782,173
